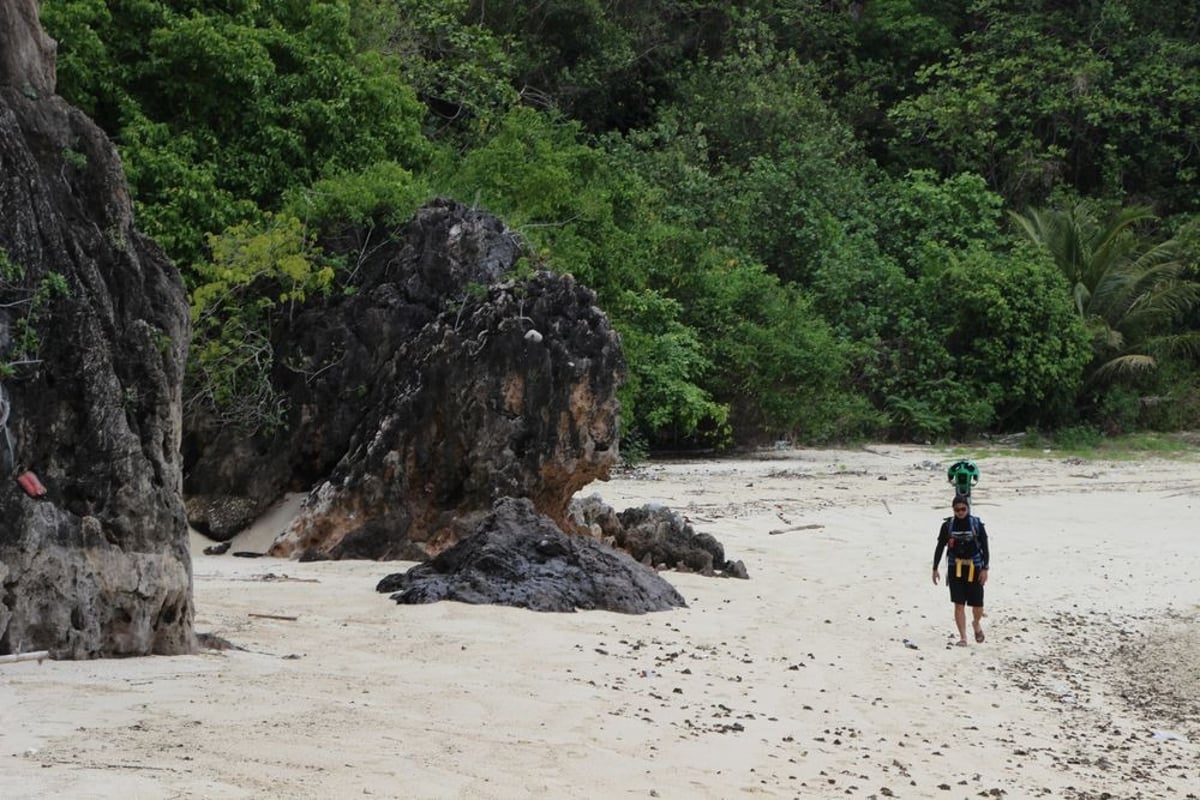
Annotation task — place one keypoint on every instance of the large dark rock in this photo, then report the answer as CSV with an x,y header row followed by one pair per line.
x,y
439,385
98,565
335,359
517,557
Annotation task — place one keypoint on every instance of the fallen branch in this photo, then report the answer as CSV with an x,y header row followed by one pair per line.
x,y
271,576
283,617
96,765
268,577
35,655
809,527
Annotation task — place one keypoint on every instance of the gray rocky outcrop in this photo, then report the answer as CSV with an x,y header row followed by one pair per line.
x,y
93,336
27,59
656,536
517,557
440,384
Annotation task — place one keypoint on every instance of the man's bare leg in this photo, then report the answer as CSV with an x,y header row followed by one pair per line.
x,y
977,614
960,620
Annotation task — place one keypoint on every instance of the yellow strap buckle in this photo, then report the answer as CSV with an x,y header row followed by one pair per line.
x,y
958,566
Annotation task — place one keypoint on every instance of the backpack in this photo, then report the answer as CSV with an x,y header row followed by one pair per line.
x,y
963,538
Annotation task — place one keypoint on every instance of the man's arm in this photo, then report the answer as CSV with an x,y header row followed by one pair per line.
x,y
983,551
943,540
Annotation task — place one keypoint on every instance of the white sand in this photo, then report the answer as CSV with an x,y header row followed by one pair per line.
x,y
795,683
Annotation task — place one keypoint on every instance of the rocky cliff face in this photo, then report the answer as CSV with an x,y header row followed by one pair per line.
x,y
27,57
514,395
93,336
439,385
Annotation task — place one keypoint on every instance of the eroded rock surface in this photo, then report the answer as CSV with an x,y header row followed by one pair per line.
x,y
98,565
438,386
656,536
517,557
27,56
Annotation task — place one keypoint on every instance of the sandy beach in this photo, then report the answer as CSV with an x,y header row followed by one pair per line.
x,y
829,673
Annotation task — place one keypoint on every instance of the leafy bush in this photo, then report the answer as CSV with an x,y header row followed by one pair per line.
x,y
256,274
1078,437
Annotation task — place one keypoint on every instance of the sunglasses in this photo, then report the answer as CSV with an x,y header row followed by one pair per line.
x,y
960,508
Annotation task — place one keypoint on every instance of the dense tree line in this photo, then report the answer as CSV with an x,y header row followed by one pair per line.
x,y
816,220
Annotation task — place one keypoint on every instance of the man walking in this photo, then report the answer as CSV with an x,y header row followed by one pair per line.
x,y
964,539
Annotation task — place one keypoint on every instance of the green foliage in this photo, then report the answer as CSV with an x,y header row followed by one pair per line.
x,y
383,190
790,210
1173,404
179,195
221,108
9,270
531,167
661,399
1078,437
1037,94
257,273
1118,409
923,419
923,218
75,158
1014,336
1127,287
25,309
88,68
601,63
751,149
775,362
462,70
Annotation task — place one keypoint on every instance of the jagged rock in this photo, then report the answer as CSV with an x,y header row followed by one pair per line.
x,y
420,398
594,515
336,360
517,557
28,55
99,564
657,535
477,412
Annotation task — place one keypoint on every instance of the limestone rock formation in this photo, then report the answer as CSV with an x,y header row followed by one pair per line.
x,y
335,357
441,384
656,536
93,336
27,57
516,557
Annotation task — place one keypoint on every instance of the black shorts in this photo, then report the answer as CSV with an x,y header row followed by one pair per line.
x,y
963,590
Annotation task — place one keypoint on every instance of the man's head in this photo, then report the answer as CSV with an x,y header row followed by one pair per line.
x,y
960,505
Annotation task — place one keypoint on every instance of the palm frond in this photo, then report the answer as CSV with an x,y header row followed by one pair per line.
x,y
1122,366
1164,302
1176,344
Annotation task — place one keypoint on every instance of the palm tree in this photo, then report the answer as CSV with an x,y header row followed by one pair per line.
x,y
1127,288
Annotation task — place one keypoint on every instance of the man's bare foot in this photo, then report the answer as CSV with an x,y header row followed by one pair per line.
x,y
961,643
978,635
